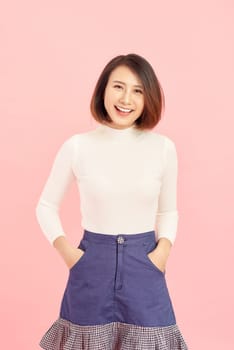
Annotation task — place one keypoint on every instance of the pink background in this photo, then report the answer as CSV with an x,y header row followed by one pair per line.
x,y
52,53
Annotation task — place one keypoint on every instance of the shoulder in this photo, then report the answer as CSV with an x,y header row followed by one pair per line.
x,y
166,146
164,140
73,140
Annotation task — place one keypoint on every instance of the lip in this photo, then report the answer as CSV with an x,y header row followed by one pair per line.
x,y
116,107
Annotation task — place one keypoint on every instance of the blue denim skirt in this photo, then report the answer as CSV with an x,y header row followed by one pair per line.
x,y
115,298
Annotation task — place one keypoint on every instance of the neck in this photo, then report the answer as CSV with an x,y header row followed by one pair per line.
x,y
119,132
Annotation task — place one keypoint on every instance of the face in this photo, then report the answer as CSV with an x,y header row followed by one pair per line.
x,y
123,97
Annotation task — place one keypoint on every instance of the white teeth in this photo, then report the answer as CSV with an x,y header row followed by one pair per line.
x,y
124,110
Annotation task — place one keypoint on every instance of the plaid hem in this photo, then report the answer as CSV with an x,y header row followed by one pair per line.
x,y
65,335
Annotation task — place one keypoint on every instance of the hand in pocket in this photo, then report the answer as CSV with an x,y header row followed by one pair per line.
x,y
158,261
74,257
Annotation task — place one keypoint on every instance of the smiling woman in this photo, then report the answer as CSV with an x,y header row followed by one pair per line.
x,y
122,100
128,83
116,295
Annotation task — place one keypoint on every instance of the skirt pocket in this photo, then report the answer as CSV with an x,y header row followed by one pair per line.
x,y
147,248
84,245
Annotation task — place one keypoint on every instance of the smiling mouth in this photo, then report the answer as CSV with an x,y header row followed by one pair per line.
x,y
123,110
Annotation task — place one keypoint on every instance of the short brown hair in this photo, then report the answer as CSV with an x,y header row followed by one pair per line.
x,y
154,100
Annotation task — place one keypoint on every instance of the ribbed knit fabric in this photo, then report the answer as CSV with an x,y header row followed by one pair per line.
x,y
127,181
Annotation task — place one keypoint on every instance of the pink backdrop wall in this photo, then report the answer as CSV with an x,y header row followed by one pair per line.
x,y
51,55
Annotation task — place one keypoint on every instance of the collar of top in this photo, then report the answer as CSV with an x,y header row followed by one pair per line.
x,y
115,132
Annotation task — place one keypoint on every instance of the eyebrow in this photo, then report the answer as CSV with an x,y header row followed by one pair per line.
x,y
121,82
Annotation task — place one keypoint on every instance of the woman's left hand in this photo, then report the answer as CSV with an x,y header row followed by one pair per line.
x,y
158,259
160,254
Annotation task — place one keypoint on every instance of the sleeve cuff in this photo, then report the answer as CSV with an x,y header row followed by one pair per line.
x,y
166,225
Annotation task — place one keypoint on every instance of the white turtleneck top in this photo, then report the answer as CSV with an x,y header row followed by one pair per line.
x,y
126,178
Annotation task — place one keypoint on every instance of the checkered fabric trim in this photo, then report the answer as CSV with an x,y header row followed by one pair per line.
x,y
65,335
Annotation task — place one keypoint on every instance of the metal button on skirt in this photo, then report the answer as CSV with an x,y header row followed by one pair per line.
x,y
116,298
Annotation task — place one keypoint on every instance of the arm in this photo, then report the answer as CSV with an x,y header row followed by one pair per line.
x,y
167,214
47,210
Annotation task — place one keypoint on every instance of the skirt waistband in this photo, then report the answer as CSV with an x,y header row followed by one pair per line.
x,y
119,238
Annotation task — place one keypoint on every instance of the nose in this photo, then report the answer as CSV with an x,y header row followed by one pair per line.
x,y
126,97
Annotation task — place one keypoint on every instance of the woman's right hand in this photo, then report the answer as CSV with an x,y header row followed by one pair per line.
x,y
70,254
74,257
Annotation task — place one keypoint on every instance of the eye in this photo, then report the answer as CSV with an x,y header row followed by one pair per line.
x,y
138,91
117,86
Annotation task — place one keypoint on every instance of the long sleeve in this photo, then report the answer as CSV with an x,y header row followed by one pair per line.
x,y
60,177
167,214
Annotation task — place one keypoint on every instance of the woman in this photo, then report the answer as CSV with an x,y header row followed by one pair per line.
x,y
116,295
